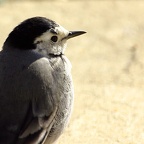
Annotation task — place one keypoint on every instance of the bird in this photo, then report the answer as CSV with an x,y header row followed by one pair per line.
x,y
36,86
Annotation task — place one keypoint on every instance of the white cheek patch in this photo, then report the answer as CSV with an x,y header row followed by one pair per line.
x,y
44,37
61,33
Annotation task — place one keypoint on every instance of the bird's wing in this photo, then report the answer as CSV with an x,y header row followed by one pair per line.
x,y
42,107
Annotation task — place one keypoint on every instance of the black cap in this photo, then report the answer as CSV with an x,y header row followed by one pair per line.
x,y
23,36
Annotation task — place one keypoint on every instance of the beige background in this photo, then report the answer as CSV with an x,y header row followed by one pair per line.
x,y
108,65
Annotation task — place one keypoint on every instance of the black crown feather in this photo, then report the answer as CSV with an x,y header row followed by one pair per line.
x,y
23,36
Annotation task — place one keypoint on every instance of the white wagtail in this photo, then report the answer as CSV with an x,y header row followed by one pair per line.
x,y
36,90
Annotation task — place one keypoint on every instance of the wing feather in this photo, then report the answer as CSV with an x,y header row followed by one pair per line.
x,y
43,106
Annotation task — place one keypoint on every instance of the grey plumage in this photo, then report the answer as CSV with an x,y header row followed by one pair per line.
x,y
36,90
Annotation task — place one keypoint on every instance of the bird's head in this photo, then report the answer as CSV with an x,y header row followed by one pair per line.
x,y
41,34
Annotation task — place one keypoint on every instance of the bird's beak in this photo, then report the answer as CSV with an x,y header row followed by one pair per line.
x,y
74,34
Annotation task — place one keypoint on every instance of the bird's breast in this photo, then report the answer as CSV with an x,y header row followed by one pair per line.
x,y
61,64
64,90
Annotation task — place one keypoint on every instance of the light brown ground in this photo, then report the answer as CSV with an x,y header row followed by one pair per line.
x,y
108,65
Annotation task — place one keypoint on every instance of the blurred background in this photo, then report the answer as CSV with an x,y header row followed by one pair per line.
x,y
108,64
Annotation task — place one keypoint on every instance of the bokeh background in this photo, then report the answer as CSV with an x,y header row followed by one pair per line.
x,y
108,64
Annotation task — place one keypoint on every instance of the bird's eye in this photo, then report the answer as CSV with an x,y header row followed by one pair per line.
x,y
54,38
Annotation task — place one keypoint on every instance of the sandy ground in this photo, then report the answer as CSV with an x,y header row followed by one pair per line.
x,y
108,65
